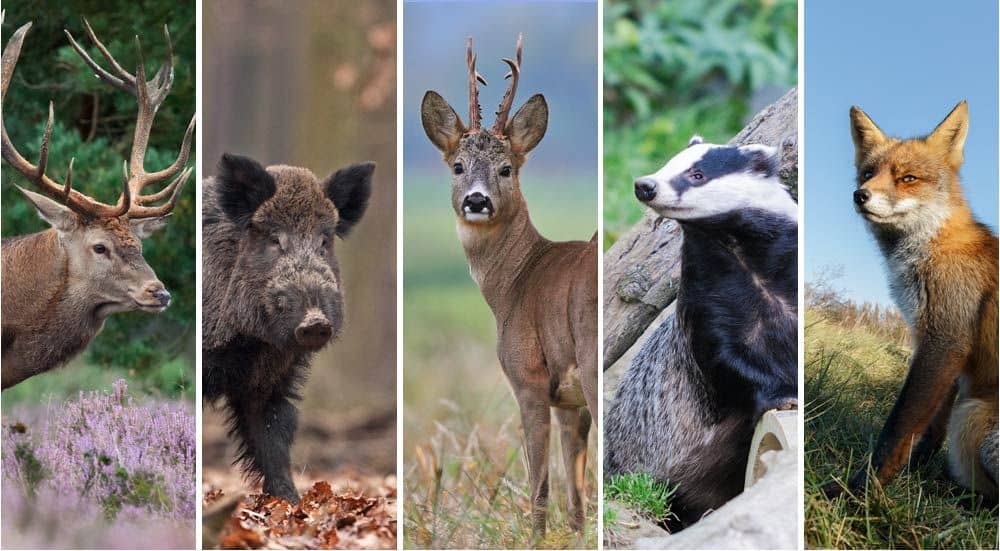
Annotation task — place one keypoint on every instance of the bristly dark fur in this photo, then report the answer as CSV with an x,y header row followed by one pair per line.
x,y
350,188
685,409
243,186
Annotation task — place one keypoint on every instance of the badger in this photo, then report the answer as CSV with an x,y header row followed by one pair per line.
x,y
685,409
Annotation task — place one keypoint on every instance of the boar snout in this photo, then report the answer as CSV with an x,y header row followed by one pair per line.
x,y
314,331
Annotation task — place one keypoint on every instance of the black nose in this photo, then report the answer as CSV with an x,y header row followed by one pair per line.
x,y
476,202
861,196
163,296
314,333
645,189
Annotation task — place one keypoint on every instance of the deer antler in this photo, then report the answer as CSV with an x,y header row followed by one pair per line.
x,y
78,202
503,113
150,96
475,113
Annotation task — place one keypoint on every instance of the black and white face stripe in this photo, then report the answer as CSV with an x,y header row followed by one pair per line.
x,y
707,179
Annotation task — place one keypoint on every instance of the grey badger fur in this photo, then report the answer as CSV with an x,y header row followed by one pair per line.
x,y
686,408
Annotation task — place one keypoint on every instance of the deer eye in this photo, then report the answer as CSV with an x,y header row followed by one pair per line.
x,y
908,179
505,172
100,249
457,168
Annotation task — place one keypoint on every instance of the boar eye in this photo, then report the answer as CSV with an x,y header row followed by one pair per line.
x,y
458,168
505,172
274,240
909,179
100,249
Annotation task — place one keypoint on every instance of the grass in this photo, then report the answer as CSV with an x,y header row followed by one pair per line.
x,y
642,493
465,481
852,377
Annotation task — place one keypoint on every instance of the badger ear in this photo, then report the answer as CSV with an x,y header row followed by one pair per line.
x,y
349,189
695,140
243,186
762,159
865,133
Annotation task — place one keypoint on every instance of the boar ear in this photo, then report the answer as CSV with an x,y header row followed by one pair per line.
x,y
528,126
949,136
866,134
243,186
349,189
441,122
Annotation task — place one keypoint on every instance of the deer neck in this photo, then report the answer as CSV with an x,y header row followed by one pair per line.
x,y
36,277
499,254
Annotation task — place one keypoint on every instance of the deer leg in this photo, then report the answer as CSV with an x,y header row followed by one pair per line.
x,y
574,425
265,432
586,360
535,418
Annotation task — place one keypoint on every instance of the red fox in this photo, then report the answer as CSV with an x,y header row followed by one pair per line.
x,y
942,267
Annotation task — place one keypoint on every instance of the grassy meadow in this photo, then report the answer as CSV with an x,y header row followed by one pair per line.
x,y
464,466
853,372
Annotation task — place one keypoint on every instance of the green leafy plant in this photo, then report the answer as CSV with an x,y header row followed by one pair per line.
x,y
643,493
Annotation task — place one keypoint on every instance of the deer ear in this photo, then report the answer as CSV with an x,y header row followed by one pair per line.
x,y
59,216
145,227
865,133
527,128
243,186
349,189
441,122
950,134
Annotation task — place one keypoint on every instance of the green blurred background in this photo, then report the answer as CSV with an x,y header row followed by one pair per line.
x,y
674,69
94,123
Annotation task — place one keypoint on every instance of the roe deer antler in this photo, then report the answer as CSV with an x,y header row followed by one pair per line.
x,y
503,113
78,202
150,96
475,113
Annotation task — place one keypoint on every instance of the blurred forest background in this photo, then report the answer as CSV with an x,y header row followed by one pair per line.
x,y
313,84
464,466
674,69
94,123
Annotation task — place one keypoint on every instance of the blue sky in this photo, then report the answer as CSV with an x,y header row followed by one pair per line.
x,y
906,64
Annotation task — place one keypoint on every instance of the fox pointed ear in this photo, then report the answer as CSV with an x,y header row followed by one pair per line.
x,y
528,125
243,186
866,134
349,189
949,136
57,215
441,123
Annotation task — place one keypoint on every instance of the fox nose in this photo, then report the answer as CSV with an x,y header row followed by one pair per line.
x,y
314,331
645,189
861,196
476,202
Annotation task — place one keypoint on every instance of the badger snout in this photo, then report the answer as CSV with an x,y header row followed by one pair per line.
x,y
645,189
477,207
315,330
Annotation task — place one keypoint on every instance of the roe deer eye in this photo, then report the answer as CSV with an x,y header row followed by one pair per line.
x,y
505,172
909,179
458,168
100,249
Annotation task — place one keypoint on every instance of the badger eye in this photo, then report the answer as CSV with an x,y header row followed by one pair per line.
x,y
100,249
697,176
457,168
505,172
909,179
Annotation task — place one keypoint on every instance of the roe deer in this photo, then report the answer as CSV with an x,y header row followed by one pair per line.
x,y
543,294
59,285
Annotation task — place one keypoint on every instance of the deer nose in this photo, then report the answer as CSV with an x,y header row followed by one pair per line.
x,y
163,296
476,202
861,196
645,189
314,332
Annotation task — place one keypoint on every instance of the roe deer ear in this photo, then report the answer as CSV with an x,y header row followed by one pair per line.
x,y
59,216
865,133
243,186
441,122
349,189
949,136
145,227
527,128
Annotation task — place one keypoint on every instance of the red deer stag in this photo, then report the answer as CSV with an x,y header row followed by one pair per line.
x,y
59,285
543,294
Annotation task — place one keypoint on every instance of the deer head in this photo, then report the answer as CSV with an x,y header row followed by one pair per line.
x,y
485,163
103,242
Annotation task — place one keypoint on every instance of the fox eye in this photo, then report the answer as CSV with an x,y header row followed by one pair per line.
x,y
867,175
505,172
100,249
457,168
908,179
